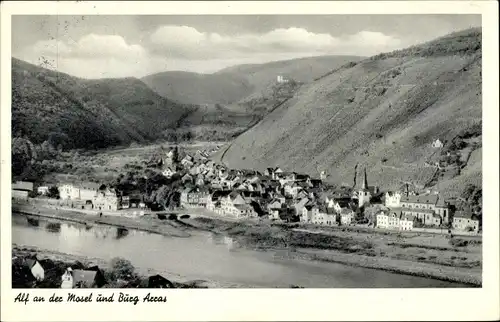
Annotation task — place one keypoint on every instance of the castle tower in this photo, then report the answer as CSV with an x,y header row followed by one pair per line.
x,y
364,194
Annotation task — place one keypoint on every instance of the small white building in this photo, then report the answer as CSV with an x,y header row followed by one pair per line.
x,y
36,269
393,199
395,220
280,79
346,216
437,144
465,220
67,279
168,172
43,190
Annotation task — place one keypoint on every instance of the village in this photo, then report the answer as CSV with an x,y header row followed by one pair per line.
x,y
275,195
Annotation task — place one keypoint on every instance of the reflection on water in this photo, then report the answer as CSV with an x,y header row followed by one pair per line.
x,y
53,227
121,232
32,221
201,256
219,239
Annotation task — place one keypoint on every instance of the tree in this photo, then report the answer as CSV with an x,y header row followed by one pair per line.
x,y
53,192
161,196
122,268
57,139
473,196
23,155
360,214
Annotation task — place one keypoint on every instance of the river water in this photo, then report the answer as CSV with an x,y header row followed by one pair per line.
x,y
203,256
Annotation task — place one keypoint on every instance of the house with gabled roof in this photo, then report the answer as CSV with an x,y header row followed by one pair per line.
x,y
246,210
300,204
80,278
184,196
35,268
395,220
168,172
21,189
215,198
187,178
198,197
464,220
79,191
346,216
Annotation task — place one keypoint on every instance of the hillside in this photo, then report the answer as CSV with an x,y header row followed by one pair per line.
x,y
92,113
382,113
194,88
232,84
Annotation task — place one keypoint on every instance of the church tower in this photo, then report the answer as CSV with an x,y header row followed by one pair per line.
x,y
364,194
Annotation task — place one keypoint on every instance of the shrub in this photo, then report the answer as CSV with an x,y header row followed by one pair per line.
x,y
456,242
122,268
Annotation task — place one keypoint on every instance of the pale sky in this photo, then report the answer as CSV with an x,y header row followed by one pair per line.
x,y
136,46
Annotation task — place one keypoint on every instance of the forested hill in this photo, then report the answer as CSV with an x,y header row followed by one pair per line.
x,y
87,113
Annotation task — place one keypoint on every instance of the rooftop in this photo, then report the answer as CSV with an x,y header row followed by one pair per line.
x,y
423,199
23,185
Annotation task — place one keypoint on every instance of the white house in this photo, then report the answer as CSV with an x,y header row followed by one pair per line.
x,y
280,79
168,172
80,278
406,222
229,203
465,220
36,269
309,212
67,279
299,205
437,144
395,220
346,216
393,199
82,191
324,216
43,190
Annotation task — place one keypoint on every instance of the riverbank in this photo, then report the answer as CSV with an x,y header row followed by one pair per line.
x,y
146,223
424,255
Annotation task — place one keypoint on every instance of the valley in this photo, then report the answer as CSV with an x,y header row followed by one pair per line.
x,y
371,163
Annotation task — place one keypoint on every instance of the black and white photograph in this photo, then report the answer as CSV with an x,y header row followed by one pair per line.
x,y
246,151
318,160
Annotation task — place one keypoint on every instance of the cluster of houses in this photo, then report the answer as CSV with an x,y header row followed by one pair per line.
x,y
278,195
429,210
90,195
281,195
275,194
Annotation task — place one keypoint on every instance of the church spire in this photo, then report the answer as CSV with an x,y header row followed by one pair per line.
x,y
365,181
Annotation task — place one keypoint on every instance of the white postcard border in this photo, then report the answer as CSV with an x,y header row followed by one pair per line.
x,y
272,304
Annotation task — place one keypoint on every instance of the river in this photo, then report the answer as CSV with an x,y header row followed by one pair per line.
x,y
203,256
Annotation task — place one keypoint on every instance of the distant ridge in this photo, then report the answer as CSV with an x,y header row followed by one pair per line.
x,y
235,83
